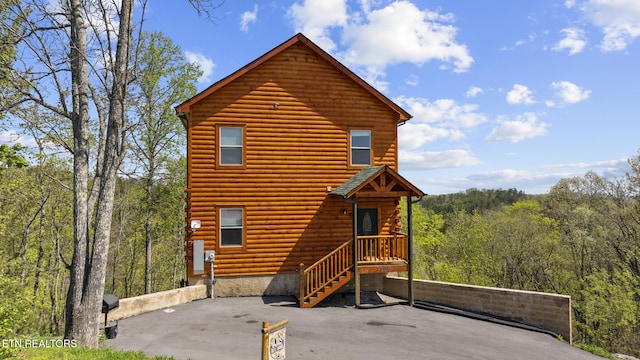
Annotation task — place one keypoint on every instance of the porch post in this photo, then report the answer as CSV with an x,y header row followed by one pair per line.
x,y
410,250
355,253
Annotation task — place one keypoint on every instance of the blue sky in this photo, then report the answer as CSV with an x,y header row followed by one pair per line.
x,y
504,94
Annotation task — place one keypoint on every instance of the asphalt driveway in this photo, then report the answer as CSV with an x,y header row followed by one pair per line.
x,y
230,328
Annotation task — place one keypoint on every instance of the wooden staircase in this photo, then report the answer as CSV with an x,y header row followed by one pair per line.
x,y
376,254
326,276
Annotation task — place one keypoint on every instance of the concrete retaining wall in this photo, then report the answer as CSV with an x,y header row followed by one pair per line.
x,y
151,302
547,311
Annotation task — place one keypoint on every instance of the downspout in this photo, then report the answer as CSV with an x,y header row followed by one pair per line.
x,y
354,223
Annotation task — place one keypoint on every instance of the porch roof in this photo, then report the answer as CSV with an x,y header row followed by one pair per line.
x,y
384,181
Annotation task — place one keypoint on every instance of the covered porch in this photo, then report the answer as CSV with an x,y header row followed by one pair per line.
x,y
377,244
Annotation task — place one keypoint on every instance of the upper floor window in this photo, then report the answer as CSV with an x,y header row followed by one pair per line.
x,y
231,227
231,146
360,147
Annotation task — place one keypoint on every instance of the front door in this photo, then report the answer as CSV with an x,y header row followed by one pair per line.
x,y
367,222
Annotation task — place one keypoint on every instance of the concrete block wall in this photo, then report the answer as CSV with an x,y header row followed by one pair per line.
x,y
543,310
150,302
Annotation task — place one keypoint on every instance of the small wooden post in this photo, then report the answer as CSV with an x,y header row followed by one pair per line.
x,y
266,331
265,341
303,284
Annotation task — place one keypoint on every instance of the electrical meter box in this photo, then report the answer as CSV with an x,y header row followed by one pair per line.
x,y
209,256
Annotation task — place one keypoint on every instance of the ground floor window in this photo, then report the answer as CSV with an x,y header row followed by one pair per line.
x,y
231,227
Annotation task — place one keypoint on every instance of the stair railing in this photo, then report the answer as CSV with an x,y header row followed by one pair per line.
x,y
326,270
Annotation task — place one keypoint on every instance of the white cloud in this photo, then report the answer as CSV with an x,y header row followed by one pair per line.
x,y
570,93
573,41
206,65
619,20
413,80
531,38
441,119
502,175
409,160
315,17
520,94
473,91
412,136
606,164
401,32
374,38
11,137
525,126
248,17
444,112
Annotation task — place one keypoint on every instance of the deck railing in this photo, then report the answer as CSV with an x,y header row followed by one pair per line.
x,y
334,270
326,270
382,248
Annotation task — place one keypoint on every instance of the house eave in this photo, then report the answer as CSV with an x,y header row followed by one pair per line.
x,y
403,115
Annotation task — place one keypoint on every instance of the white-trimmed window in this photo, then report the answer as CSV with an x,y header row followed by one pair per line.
x,y
360,142
231,227
231,146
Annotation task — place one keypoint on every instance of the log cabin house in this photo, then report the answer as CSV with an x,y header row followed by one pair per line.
x,y
290,159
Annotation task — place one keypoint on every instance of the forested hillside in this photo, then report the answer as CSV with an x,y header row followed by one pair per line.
x,y
580,239
95,203
36,241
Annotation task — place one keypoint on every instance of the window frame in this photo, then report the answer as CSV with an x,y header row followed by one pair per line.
x,y
243,227
351,147
219,146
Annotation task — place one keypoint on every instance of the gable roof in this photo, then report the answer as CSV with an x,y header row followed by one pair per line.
x,y
298,38
367,175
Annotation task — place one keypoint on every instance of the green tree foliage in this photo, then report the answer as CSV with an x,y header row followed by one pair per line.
x,y
427,232
581,239
10,157
35,246
15,314
473,199
157,137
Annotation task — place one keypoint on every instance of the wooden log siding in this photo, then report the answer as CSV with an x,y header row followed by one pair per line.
x,y
292,154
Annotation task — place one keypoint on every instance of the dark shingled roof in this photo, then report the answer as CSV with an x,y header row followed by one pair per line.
x,y
360,178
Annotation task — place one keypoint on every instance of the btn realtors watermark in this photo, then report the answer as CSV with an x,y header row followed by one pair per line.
x,y
38,343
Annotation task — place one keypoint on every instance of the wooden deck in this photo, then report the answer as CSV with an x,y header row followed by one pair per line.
x,y
375,254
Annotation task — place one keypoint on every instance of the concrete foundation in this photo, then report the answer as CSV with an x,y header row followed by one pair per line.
x,y
280,284
252,285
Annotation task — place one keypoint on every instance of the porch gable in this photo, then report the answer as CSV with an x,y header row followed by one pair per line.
x,y
377,181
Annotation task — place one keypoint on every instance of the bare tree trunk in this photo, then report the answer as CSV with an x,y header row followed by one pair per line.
x,y
82,322
147,228
77,322
148,248
178,257
36,281
116,254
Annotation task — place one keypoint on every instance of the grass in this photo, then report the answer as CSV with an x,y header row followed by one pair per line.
x,y
81,353
595,350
